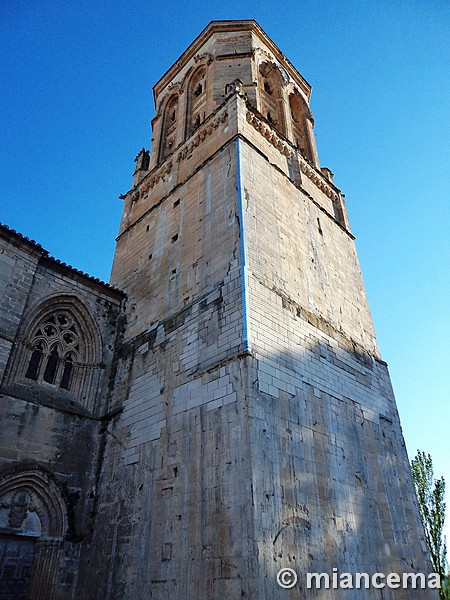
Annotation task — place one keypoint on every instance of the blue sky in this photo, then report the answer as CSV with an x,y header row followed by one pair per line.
x,y
76,104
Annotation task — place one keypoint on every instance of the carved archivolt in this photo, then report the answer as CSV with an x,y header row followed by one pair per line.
x,y
30,491
262,56
172,89
32,504
169,127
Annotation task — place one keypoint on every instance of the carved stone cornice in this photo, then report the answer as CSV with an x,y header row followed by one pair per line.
x,y
318,179
267,132
158,174
203,132
287,150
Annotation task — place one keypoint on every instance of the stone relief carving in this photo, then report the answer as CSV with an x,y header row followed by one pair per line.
x,y
18,510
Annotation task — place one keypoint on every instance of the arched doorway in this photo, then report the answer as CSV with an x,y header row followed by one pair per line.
x,y
33,524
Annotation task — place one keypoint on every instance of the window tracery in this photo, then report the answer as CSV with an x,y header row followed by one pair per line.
x,y
56,347
59,348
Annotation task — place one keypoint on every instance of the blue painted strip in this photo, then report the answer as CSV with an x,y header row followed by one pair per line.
x,y
244,253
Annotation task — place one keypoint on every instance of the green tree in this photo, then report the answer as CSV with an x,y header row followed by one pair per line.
x,y
431,498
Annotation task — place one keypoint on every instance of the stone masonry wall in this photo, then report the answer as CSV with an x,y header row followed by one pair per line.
x,y
330,470
173,514
43,430
296,246
331,479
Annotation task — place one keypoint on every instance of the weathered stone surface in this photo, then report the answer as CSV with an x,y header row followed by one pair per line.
x,y
49,436
242,419
259,428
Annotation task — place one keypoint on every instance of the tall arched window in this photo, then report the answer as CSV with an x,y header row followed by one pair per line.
x,y
56,346
196,112
300,130
59,347
169,128
271,99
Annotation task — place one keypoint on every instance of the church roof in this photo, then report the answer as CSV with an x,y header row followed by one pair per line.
x,y
13,235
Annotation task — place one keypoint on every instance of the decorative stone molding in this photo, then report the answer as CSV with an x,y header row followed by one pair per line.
x,y
63,323
159,174
205,130
173,88
262,56
284,148
43,497
267,132
318,179
199,60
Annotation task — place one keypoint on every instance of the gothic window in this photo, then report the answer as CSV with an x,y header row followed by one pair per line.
x,y
169,128
196,101
56,347
271,98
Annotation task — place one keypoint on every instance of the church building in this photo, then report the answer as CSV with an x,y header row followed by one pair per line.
x,y
220,410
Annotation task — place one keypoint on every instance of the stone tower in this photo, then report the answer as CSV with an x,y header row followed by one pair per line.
x,y
253,424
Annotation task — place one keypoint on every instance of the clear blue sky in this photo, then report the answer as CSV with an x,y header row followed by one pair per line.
x,y
76,104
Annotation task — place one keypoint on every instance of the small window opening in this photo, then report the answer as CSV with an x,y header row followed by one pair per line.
x,y
198,90
50,369
175,237
67,373
177,202
147,228
319,227
35,362
267,88
150,256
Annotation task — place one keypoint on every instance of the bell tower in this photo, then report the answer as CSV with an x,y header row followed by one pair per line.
x,y
253,424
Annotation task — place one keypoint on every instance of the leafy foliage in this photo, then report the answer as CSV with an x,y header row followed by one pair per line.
x,y
431,498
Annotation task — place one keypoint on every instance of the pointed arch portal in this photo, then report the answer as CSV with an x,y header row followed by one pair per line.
x,y
33,525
